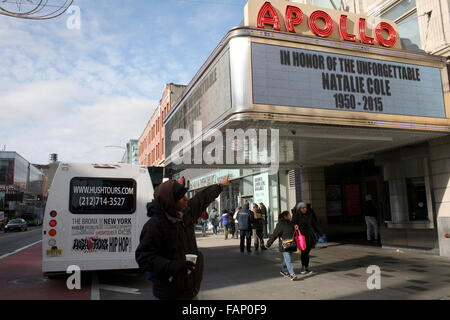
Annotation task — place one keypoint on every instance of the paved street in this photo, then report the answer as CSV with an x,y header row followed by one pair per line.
x,y
11,241
340,273
21,279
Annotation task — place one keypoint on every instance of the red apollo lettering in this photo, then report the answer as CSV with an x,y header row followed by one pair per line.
x,y
343,30
293,17
268,15
390,42
362,33
329,24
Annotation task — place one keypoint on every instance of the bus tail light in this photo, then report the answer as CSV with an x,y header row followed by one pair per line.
x,y
53,214
52,233
53,223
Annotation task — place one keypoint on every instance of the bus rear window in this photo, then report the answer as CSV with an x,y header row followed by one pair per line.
x,y
102,196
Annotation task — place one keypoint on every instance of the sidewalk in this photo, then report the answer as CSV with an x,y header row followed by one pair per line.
x,y
340,272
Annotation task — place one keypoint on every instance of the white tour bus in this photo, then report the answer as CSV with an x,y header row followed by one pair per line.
x,y
94,216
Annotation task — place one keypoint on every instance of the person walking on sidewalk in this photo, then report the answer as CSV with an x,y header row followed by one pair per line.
x,y
257,228
169,235
284,230
370,213
225,220
231,226
245,220
214,219
264,215
313,213
236,223
304,220
204,220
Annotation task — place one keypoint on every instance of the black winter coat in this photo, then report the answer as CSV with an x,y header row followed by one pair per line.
x,y
284,230
369,209
258,221
245,219
165,240
308,227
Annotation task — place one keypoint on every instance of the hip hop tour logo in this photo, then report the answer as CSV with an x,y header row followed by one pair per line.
x,y
233,147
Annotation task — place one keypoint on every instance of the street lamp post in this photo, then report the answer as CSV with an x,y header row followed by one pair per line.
x,y
34,9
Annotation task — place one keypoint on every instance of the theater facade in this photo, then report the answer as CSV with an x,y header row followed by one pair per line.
x,y
354,113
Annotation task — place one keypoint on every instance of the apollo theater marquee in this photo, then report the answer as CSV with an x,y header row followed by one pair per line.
x,y
337,85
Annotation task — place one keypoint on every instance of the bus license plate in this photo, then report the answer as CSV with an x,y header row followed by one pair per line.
x,y
54,253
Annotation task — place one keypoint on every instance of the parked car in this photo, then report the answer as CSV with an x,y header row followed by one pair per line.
x,y
16,224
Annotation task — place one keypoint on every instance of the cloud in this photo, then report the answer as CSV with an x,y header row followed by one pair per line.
x,y
73,92
28,102
110,121
78,133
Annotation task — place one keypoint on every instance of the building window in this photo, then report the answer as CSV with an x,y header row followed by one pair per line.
x,y
409,28
325,4
400,9
404,14
417,199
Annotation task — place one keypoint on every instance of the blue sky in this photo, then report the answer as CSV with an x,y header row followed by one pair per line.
x,y
73,92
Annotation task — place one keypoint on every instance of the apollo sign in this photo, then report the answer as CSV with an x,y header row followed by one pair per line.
x,y
281,15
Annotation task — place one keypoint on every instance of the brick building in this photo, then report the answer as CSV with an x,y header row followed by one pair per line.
x,y
151,141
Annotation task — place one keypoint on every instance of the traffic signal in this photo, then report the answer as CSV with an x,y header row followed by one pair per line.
x,y
38,197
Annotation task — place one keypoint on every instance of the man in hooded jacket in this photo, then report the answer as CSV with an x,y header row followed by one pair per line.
x,y
245,220
169,235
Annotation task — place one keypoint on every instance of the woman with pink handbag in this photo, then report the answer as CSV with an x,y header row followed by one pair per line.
x,y
306,224
285,232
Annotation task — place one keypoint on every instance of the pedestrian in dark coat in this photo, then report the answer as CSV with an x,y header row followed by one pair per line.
x,y
169,235
284,230
265,216
257,228
370,214
245,220
214,218
304,220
